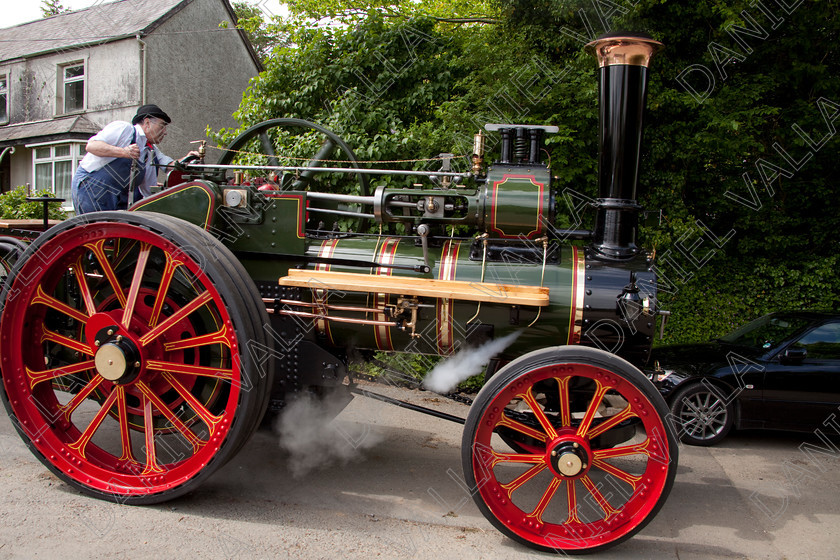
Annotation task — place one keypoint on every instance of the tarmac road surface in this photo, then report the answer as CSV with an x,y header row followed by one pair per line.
x,y
394,493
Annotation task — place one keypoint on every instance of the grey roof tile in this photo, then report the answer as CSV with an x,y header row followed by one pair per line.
x,y
77,126
100,23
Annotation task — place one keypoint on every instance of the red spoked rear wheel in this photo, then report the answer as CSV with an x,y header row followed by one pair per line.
x,y
598,461
124,353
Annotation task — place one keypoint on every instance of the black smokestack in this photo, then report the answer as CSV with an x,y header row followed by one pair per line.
x,y
623,60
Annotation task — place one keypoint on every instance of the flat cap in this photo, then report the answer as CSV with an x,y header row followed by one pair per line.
x,y
150,111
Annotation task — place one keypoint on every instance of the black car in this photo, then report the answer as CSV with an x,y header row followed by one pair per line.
x,y
781,371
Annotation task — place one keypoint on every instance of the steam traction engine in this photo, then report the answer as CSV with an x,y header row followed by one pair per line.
x,y
140,350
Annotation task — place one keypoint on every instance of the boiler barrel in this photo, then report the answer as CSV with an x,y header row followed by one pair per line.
x,y
445,325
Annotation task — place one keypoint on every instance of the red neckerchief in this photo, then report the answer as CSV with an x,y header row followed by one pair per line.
x,y
151,156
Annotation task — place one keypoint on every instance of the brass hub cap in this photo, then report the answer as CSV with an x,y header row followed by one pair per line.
x,y
569,464
118,360
569,459
110,362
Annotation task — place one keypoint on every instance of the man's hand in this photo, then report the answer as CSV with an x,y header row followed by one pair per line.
x,y
181,165
132,151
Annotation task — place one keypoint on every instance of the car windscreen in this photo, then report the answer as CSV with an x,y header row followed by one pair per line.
x,y
766,332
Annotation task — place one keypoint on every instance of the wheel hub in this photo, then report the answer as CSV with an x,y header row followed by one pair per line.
x,y
117,359
569,459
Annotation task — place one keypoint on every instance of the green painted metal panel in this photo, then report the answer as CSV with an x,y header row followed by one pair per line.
x,y
196,202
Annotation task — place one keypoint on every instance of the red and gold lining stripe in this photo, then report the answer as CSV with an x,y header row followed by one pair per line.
x,y
578,288
300,213
386,256
211,199
322,325
445,311
495,206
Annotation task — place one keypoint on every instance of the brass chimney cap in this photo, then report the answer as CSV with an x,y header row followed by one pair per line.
x,y
624,48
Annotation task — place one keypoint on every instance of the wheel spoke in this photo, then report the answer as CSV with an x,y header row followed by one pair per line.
x,y
716,409
152,466
539,414
134,290
268,148
625,450
630,479
609,511
695,408
125,431
165,280
527,458
571,499
514,484
80,444
563,395
98,248
221,336
122,250
84,289
36,377
209,419
694,427
539,510
153,399
79,398
42,298
176,317
626,413
509,422
323,152
202,371
600,391
71,343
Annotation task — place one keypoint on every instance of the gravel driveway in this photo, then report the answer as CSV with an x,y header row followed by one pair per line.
x,y
383,482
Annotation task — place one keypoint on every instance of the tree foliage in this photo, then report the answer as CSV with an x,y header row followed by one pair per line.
x,y
352,11
51,8
261,33
369,83
740,149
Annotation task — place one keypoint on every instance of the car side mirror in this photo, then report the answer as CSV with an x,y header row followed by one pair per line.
x,y
794,355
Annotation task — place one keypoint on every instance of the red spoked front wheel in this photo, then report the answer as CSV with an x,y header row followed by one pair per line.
x,y
567,449
124,349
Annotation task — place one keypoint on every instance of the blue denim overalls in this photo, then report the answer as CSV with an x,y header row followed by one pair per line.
x,y
107,188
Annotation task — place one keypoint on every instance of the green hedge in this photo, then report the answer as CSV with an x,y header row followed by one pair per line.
x,y
725,294
14,206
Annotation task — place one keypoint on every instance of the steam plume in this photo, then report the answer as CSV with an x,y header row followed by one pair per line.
x,y
446,375
316,440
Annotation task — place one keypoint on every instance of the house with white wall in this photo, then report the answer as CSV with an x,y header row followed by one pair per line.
x,y
65,77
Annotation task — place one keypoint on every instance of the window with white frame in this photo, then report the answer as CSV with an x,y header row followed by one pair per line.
x,y
71,86
4,98
53,167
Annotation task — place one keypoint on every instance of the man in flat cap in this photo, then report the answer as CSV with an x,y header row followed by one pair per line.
x,y
121,158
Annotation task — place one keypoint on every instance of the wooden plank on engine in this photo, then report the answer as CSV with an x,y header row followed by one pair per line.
x,y
509,294
25,224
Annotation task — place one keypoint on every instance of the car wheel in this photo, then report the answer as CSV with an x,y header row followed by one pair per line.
x,y
702,415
